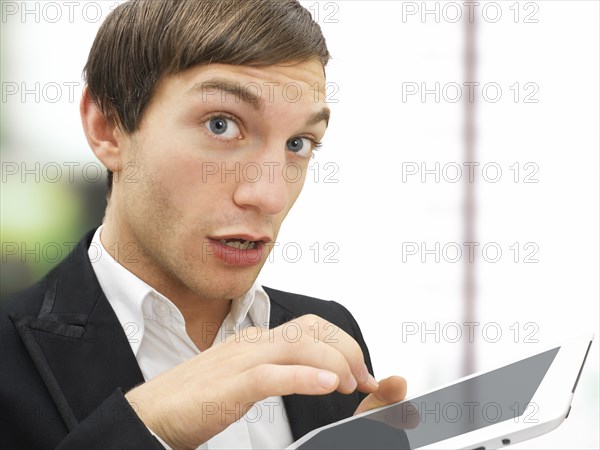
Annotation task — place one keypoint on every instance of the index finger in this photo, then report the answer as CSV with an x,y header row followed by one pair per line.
x,y
328,333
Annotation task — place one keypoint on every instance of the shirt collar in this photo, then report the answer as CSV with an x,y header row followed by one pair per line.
x,y
127,295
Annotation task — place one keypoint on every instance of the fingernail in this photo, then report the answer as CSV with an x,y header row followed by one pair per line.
x,y
353,383
327,379
364,375
372,381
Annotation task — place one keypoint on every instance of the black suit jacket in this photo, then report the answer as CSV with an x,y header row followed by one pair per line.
x,y
66,364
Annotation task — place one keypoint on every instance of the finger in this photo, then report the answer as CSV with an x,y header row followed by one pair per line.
x,y
288,344
391,390
370,386
313,341
268,380
321,330
307,352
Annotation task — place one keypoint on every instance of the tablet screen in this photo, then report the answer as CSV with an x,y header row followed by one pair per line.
x,y
481,401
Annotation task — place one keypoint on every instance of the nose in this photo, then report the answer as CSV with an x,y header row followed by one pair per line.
x,y
264,183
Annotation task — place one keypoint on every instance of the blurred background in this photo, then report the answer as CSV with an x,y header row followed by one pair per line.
x,y
454,206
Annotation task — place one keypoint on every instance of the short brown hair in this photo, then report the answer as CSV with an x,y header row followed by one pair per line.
x,y
142,41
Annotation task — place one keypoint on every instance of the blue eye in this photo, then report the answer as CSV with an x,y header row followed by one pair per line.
x,y
300,145
295,145
223,127
218,125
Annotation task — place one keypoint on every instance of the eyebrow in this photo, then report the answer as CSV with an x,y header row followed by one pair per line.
x,y
225,86
318,117
247,96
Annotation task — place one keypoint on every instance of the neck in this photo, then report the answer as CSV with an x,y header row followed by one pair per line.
x,y
203,316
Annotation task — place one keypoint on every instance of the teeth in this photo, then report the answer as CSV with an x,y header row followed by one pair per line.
x,y
246,245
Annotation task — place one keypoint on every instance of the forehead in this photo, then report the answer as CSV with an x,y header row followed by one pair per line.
x,y
292,82
307,72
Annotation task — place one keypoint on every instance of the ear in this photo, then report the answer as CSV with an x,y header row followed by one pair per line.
x,y
103,134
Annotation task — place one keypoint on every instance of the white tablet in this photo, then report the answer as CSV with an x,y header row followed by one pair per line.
x,y
485,410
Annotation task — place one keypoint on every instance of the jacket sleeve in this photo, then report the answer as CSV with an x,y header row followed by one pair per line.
x,y
31,419
113,425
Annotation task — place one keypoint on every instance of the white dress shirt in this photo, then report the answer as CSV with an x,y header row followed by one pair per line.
x,y
156,332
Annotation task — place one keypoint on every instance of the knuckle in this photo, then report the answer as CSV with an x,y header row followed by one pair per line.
x,y
309,319
297,376
258,375
305,339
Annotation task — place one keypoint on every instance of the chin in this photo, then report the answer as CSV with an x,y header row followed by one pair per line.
x,y
224,287
215,280
223,292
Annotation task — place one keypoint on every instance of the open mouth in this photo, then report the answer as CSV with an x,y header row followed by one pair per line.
x,y
240,244
240,250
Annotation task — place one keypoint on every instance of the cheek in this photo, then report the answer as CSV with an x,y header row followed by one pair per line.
x,y
297,185
294,187
182,184
204,188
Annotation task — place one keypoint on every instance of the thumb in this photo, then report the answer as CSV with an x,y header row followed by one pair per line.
x,y
391,390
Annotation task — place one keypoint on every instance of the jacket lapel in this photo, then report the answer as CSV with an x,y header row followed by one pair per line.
x,y
76,341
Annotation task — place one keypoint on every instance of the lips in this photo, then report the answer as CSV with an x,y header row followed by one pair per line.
x,y
238,250
243,237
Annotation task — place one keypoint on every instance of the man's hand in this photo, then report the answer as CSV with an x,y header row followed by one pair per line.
x,y
193,402
391,390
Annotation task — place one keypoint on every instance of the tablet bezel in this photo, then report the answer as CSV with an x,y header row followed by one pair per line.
x,y
547,409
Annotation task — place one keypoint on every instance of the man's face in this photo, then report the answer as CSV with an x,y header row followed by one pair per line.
x,y
219,159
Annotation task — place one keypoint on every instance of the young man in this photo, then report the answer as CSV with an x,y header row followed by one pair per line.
x,y
154,332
